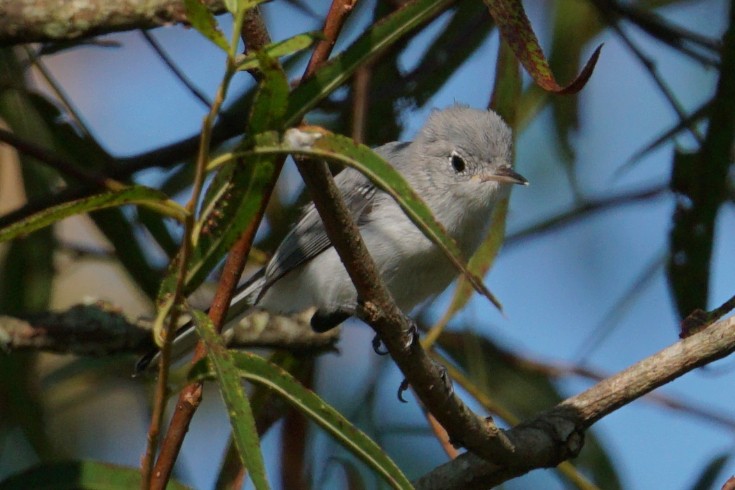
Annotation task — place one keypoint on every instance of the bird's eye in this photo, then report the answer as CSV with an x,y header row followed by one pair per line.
x,y
458,163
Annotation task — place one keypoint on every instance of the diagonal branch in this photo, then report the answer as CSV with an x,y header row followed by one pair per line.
x,y
558,433
393,327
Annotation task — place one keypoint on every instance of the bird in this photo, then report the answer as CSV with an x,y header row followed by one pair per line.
x,y
459,163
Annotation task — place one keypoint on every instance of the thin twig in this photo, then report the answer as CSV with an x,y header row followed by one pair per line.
x,y
54,161
583,211
159,479
178,73
58,89
650,66
256,36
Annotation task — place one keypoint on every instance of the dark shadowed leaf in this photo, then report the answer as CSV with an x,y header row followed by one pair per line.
x,y
78,475
523,391
339,69
708,479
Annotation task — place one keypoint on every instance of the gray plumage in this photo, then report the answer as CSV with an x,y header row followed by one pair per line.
x,y
459,163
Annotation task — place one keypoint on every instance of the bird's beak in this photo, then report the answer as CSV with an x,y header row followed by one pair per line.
x,y
505,175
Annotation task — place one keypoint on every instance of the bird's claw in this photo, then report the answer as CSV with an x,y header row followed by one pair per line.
x,y
377,346
402,389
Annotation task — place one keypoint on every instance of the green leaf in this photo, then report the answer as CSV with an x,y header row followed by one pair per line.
x,y
340,68
344,150
203,21
281,48
78,475
258,370
240,413
46,217
700,182
235,194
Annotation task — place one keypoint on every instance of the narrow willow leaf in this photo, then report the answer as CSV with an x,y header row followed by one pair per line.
x,y
258,370
340,68
344,150
128,195
281,48
78,475
235,194
516,29
203,21
240,413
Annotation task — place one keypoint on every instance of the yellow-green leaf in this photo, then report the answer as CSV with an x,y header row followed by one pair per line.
x,y
129,195
259,370
240,413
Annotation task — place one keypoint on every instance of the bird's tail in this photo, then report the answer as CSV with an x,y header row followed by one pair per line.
x,y
186,336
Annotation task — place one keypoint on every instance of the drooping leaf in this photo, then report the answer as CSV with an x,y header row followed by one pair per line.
x,y
258,370
128,195
244,433
516,29
78,475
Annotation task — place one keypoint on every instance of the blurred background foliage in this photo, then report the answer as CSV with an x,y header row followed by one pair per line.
x,y
640,204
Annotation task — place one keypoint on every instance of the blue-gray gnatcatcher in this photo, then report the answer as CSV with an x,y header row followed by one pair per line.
x,y
459,163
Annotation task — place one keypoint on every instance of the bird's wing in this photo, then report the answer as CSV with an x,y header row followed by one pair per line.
x,y
308,238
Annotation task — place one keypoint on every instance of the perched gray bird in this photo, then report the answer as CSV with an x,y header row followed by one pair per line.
x,y
460,165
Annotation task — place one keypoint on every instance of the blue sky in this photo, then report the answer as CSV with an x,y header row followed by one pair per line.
x,y
556,288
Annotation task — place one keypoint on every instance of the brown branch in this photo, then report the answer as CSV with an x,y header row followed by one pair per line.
x,y
100,329
255,35
27,21
557,434
97,329
380,311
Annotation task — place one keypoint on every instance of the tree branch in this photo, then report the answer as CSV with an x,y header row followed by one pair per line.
x,y
31,21
100,329
558,433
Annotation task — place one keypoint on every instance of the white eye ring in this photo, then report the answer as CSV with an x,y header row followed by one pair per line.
x,y
457,162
